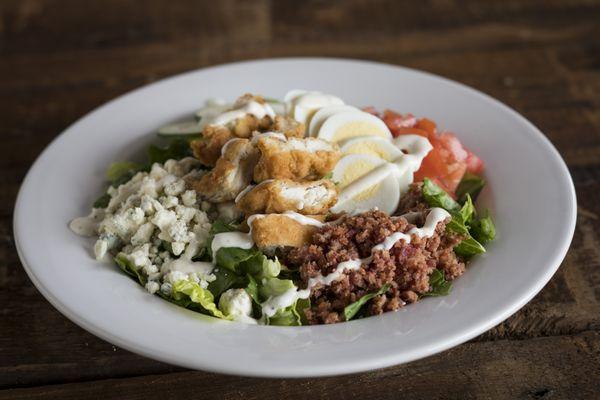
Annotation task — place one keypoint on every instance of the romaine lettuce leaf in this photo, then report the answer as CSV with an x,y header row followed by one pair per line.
x,y
184,289
127,267
176,150
225,279
483,229
435,196
120,172
471,185
462,217
102,201
351,309
438,284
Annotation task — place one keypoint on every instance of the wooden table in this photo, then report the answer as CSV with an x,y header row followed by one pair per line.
x,y
61,59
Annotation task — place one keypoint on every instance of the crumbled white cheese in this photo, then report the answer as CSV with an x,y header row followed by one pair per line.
x,y
153,212
152,287
236,302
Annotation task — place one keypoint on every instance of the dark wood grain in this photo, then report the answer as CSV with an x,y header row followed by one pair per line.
x,y
61,59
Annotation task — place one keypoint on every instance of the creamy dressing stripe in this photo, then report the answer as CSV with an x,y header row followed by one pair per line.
x,y
435,216
252,107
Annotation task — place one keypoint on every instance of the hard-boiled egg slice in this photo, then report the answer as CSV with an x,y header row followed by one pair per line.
x,y
373,145
366,182
324,113
350,124
301,104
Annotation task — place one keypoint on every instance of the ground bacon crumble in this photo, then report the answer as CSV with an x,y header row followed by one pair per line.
x,y
406,267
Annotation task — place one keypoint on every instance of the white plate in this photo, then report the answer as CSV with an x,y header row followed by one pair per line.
x,y
530,193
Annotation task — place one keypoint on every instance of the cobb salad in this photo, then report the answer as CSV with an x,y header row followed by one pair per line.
x,y
298,211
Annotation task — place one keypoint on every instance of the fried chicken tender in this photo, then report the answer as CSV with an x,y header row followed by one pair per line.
x,y
289,127
207,149
280,230
279,195
294,158
231,174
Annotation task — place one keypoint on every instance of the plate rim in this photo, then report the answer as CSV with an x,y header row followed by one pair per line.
x,y
334,369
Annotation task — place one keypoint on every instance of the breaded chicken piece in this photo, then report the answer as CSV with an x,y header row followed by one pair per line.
x,y
231,174
207,149
294,158
289,126
272,231
279,195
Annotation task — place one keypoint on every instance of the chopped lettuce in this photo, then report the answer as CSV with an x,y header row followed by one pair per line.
x,y
252,289
186,289
176,150
435,196
483,229
471,185
218,226
127,267
233,257
102,201
352,309
225,279
438,284
463,218
120,172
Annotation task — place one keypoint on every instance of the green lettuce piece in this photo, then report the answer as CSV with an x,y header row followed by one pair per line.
x,y
469,247
435,196
176,150
462,217
275,287
120,172
471,185
218,226
225,279
184,289
102,201
353,308
127,267
483,229
292,315
438,283
252,289
467,211
232,257
285,317
289,316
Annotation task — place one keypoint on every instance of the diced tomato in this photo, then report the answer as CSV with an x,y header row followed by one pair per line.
x,y
447,162
453,145
474,163
427,125
396,121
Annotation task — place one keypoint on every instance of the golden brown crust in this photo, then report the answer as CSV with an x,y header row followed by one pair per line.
x,y
278,161
288,126
277,196
208,148
231,174
278,230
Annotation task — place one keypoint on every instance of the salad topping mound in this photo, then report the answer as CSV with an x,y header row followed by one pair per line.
x,y
304,211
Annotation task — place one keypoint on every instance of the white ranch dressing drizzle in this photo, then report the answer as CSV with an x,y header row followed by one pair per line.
x,y
185,264
403,167
252,107
270,307
244,240
88,225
